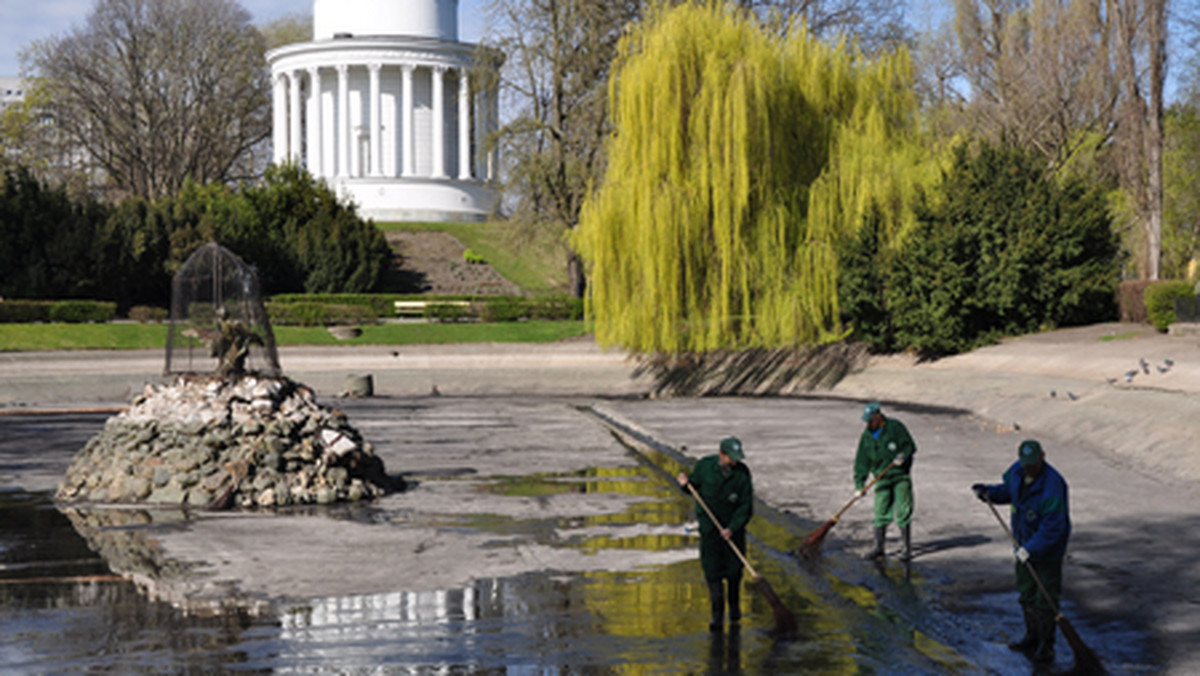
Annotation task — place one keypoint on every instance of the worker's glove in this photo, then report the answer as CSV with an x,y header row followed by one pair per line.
x,y
898,460
1022,554
981,491
859,492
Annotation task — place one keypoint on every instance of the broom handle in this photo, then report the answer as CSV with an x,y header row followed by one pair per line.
x,y
720,527
1028,565
863,492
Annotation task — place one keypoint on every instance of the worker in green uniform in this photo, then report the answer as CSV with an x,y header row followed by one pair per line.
x,y
724,483
886,446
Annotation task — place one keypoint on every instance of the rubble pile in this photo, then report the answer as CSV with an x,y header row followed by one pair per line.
x,y
221,442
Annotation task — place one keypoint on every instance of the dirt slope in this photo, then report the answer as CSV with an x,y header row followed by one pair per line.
x,y
433,263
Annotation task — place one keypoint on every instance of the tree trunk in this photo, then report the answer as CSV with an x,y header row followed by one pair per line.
x,y
1156,10
576,278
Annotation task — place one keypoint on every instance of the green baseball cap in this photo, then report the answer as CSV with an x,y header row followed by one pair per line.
x,y
733,448
1029,452
870,411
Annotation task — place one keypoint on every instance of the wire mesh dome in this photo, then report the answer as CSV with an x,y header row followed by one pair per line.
x,y
218,321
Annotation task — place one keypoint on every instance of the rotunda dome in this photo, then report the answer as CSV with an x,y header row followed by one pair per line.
x,y
419,18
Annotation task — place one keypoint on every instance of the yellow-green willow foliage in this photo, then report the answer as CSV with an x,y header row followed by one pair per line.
x,y
739,159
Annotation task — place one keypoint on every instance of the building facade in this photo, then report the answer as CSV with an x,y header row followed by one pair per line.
x,y
387,106
12,90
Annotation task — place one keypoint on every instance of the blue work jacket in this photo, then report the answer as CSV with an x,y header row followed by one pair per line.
x,y
1041,521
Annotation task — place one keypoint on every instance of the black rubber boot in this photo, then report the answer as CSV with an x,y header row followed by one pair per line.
x,y
716,599
1046,629
906,540
1029,641
880,537
735,604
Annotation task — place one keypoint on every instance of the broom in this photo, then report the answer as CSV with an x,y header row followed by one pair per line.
x,y
812,543
1086,661
785,621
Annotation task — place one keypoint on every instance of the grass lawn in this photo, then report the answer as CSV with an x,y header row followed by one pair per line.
x,y
128,336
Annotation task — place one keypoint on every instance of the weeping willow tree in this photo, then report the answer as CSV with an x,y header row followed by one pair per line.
x,y
740,159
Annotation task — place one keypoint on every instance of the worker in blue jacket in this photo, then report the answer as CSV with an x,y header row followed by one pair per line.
x,y
1041,525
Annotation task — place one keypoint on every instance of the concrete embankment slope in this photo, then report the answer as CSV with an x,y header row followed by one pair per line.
x,y
108,377
1069,384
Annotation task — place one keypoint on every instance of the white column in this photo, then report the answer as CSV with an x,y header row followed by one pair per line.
x,y
376,107
316,134
279,122
294,121
464,125
492,125
342,128
406,120
439,122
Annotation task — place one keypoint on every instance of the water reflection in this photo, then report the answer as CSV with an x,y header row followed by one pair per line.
x,y
77,614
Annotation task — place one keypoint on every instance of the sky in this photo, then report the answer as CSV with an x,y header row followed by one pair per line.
x,y
24,21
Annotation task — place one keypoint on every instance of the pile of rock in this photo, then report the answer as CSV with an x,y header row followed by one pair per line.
x,y
213,442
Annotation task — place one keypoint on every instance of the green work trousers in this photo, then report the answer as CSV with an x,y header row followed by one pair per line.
x,y
894,500
1050,573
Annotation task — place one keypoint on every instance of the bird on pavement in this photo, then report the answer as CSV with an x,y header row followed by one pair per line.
x,y
1129,376
1145,365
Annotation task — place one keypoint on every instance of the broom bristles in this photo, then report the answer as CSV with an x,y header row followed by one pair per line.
x,y
1087,663
812,543
785,621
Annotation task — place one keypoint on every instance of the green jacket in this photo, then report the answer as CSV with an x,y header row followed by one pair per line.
x,y
731,498
874,455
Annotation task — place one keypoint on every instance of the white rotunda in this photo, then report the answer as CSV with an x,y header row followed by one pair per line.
x,y
385,104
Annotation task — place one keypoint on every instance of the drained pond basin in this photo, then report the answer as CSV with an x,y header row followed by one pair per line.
x,y
530,540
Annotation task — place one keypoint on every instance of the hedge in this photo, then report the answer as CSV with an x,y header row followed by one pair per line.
x,y
1160,301
480,308
319,314
61,311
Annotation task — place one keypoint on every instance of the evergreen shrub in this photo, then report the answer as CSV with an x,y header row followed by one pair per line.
x,y
61,311
1001,250
81,311
319,314
1160,301
148,314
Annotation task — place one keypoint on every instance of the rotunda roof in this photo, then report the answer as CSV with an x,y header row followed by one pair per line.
x,y
418,18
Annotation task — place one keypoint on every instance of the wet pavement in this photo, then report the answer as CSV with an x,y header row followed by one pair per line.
x,y
533,540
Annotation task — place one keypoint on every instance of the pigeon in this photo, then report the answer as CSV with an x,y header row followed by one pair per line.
x,y
1111,381
1053,393
1162,369
1169,362
1016,427
1145,365
1129,376
1072,396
